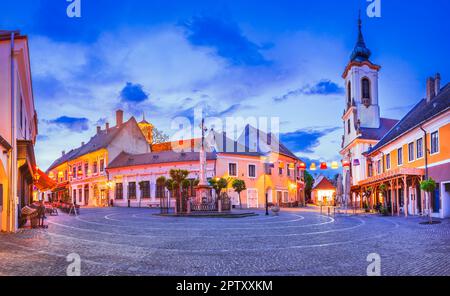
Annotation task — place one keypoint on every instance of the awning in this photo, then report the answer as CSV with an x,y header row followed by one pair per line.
x,y
44,183
61,187
25,153
392,174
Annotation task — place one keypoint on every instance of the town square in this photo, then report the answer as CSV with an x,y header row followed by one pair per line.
x,y
224,143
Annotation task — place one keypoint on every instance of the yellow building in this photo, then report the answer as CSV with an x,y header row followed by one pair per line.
x,y
81,173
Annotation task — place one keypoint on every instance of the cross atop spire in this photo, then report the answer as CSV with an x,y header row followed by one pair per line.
x,y
360,52
143,119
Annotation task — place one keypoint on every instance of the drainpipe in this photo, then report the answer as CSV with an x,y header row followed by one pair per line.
x,y
12,199
426,152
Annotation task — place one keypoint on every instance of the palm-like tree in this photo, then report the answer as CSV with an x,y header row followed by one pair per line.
x,y
179,176
239,186
428,186
219,184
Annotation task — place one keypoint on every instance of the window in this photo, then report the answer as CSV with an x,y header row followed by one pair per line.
x,y
66,175
379,167
349,127
74,197
132,190
411,152
80,195
370,169
232,169
21,112
86,168
86,194
434,142
366,92
74,172
280,170
388,161
349,94
419,148
102,165
400,156
252,171
119,190
145,189
80,171
95,167
288,171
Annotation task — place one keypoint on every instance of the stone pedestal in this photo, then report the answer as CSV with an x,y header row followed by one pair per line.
x,y
203,193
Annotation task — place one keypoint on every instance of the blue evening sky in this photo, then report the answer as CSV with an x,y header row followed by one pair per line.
x,y
233,58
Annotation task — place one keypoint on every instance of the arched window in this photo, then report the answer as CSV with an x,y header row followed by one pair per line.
x,y
349,93
349,130
366,96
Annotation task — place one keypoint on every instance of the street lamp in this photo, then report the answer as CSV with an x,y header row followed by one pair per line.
x,y
267,165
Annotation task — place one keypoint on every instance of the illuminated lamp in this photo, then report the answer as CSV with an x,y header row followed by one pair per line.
x,y
356,162
323,166
302,166
281,166
345,163
292,166
80,173
334,165
51,175
60,174
313,167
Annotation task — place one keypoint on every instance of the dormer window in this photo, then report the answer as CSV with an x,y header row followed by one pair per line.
x,y
366,95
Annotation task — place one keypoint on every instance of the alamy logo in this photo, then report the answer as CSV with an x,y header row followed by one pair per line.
x,y
74,268
374,8
374,268
74,8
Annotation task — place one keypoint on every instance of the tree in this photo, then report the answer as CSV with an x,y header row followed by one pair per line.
x,y
239,186
179,176
428,186
309,183
219,184
159,136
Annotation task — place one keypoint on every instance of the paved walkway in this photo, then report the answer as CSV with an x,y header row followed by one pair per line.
x,y
298,242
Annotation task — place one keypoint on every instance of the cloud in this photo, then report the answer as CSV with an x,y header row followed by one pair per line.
x,y
323,87
227,38
305,140
71,123
133,93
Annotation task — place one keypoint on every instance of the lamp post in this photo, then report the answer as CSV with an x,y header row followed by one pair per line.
x,y
267,165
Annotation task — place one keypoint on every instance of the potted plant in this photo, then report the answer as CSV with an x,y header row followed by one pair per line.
x,y
428,186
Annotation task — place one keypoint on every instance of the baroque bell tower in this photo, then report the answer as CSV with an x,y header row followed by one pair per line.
x,y
361,84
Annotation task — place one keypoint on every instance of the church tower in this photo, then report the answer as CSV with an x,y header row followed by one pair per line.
x,y
361,84
147,129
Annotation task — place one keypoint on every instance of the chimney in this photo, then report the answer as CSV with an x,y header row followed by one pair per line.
x,y
99,129
63,153
107,126
119,117
437,84
430,89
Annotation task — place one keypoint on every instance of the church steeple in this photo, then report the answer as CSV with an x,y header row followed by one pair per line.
x,y
360,53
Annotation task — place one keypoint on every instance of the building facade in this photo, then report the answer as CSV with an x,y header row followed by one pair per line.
x,y
384,159
18,129
81,173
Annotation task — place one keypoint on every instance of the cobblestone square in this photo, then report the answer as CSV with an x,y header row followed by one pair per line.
x,y
121,241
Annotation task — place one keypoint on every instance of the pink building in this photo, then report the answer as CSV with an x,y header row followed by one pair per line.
x,y
18,128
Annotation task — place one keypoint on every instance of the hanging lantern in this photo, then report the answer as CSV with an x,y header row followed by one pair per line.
x,y
334,165
292,166
345,163
323,166
302,166
60,174
356,162
281,166
313,167
51,175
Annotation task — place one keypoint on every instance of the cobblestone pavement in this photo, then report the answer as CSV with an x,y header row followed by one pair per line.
x,y
298,242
